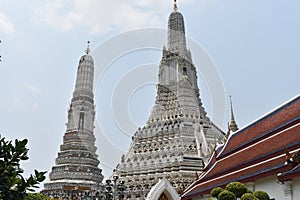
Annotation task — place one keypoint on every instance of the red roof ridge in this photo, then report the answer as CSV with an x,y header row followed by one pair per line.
x,y
270,112
295,101
189,189
256,151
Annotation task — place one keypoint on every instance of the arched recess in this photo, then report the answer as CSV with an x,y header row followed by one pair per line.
x,y
165,196
163,190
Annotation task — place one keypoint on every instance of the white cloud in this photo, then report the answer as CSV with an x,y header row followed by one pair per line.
x,y
6,26
102,16
99,16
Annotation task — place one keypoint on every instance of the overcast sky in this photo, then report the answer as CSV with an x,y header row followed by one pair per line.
x,y
253,44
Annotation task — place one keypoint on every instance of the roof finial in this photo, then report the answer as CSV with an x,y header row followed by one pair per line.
x,y
175,5
87,51
232,126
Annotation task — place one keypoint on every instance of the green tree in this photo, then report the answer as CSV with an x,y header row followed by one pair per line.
x,y
12,184
216,191
36,196
248,196
237,188
226,195
261,195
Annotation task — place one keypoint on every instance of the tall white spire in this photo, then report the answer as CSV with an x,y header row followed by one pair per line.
x,y
176,33
81,113
178,135
76,165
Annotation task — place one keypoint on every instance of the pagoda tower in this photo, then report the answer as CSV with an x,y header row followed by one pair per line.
x,y
178,136
76,168
232,126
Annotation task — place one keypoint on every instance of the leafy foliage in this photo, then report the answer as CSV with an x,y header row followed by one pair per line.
x,y
237,188
12,184
216,191
36,196
249,191
261,195
226,195
248,196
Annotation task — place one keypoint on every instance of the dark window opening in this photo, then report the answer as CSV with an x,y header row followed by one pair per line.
x,y
184,71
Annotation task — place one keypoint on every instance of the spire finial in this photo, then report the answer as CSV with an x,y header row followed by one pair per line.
x,y
175,5
232,126
87,51
231,109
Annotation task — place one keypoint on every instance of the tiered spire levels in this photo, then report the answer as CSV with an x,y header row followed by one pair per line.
x,y
178,135
85,76
83,96
77,163
178,92
176,34
232,126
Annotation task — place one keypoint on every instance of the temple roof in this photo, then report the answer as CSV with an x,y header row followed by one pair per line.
x,y
294,162
254,152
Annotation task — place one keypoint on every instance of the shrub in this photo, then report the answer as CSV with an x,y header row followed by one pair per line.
x,y
226,195
248,196
237,188
261,195
249,191
216,191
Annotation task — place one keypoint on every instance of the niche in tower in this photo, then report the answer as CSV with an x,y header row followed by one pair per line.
x,y
81,121
184,71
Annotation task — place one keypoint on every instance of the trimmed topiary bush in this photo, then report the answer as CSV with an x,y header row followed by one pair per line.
x,y
249,191
216,191
226,195
261,195
237,188
248,196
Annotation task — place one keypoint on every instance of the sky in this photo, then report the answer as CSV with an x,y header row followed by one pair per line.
x,y
252,45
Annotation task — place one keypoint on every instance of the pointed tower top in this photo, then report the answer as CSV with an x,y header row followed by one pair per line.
x,y
232,126
175,5
176,33
87,51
